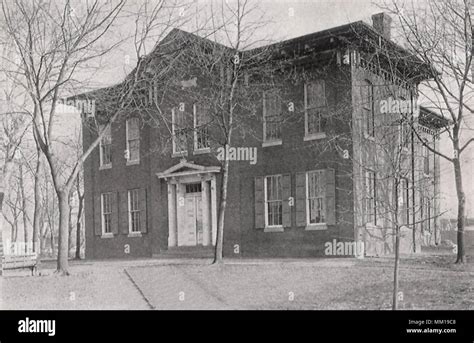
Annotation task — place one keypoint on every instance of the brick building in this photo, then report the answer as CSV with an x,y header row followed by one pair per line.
x,y
306,176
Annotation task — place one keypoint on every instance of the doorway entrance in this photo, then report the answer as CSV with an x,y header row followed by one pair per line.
x,y
191,229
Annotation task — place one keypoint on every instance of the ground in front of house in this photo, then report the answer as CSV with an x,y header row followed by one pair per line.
x,y
428,281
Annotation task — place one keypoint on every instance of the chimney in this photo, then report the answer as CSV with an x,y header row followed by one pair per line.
x,y
381,23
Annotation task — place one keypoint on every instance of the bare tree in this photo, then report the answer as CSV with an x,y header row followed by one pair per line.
x,y
55,41
440,34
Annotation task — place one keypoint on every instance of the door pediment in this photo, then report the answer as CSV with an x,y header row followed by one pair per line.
x,y
187,168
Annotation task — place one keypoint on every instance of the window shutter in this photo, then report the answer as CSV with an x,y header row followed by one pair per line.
x,y
259,203
142,207
286,194
330,184
300,199
123,212
115,214
133,129
97,215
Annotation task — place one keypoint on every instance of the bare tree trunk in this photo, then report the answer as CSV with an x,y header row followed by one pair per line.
x,y
23,207
396,268
64,209
222,207
37,205
78,225
461,255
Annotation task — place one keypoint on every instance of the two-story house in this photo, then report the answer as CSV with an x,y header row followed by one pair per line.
x,y
306,176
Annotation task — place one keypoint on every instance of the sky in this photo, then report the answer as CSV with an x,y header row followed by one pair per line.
x,y
292,19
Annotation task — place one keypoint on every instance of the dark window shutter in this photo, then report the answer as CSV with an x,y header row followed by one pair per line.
x,y
259,203
123,212
97,215
330,196
300,199
286,194
115,213
143,213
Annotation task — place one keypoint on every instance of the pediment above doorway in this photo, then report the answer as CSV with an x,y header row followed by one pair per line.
x,y
184,168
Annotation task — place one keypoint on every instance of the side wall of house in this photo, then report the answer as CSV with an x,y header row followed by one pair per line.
x,y
116,180
294,156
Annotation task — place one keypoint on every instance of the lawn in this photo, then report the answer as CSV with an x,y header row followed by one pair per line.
x,y
427,282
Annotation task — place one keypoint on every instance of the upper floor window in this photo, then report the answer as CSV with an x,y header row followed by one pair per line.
x,y
273,201
316,197
105,150
133,140
271,116
368,113
201,127
179,130
145,93
315,107
370,198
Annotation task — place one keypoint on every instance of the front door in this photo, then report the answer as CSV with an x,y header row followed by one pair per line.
x,y
192,228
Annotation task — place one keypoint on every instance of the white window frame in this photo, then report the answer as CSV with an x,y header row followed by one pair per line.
x,y
129,161
267,226
315,135
266,141
103,165
129,201
321,225
175,153
198,150
103,214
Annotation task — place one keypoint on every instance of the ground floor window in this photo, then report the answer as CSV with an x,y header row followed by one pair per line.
x,y
273,200
133,210
106,212
315,197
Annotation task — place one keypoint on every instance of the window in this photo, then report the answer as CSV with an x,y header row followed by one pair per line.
x,y
145,93
201,127
271,116
193,188
404,134
133,140
367,99
315,107
426,160
133,211
106,148
315,197
370,198
273,201
404,196
106,212
178,131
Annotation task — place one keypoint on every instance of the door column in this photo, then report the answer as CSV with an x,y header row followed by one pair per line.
x,y
205,202
180,213
172,234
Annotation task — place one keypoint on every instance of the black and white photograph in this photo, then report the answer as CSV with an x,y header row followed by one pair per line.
x,y
237,155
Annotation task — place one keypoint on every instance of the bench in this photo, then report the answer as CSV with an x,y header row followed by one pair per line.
x,y
20,261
